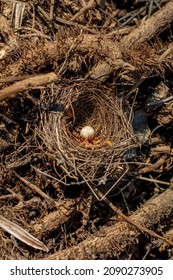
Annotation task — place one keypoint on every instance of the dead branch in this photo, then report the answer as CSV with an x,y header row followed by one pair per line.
x,y
149,28
166,149
11,79
114,239
153,166
27,84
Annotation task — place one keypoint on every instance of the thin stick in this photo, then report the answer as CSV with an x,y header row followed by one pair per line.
x,y
153,180
66,22
33,187
70,23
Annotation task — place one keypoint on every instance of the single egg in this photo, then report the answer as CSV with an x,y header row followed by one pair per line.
x,y
87,132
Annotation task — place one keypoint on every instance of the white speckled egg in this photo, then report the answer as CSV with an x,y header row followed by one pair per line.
x,y
87,132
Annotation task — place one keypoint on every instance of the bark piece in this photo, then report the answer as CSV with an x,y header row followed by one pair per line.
x,y
55,219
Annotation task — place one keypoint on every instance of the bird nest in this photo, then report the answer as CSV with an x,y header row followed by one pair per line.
x,y
73,106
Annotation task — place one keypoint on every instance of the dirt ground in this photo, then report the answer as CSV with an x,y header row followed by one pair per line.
x,y
86,129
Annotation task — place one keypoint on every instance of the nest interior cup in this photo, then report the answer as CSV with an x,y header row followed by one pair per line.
x,y
71,107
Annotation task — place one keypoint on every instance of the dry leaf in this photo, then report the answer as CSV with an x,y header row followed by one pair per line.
x,y
21,234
